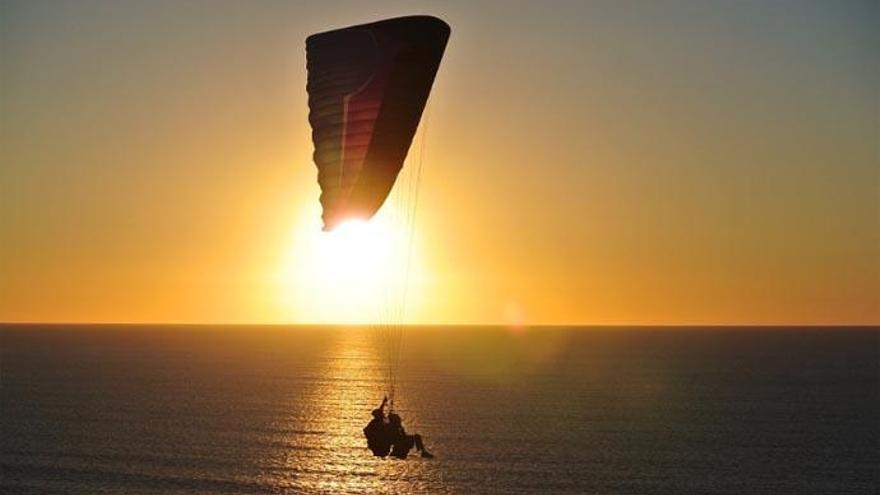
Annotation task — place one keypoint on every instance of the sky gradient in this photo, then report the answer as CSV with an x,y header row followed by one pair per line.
x,y
586,162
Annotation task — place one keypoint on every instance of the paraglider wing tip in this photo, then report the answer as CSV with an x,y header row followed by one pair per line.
x,y
333,220
329,224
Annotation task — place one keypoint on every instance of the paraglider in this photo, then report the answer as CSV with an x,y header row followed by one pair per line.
x,y
368,86
367,89
377,433
386,436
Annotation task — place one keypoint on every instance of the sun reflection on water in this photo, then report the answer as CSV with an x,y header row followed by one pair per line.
x,y
326,450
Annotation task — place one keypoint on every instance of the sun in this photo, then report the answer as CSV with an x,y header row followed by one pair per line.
x,y
357,273
356,256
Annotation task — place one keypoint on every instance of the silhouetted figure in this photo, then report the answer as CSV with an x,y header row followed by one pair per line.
x,y
402,443
377,433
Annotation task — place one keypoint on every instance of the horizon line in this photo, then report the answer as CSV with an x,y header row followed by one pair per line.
x,y
448,325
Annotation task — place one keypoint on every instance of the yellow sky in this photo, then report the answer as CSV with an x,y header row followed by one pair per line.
x,y
592,163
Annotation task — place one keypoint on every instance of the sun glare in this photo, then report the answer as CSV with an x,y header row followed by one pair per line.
x,y
355,255
353,274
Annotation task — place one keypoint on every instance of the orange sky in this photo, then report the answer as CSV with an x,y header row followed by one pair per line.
x,y
591,163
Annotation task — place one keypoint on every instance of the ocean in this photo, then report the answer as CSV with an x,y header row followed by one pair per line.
x,y
226,409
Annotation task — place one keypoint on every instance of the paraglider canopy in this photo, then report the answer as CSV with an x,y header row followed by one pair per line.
x,y
368,85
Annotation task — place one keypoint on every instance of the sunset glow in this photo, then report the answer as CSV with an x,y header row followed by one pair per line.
x,y
355,273
593,163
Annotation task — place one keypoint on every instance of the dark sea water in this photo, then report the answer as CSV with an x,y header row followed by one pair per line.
x,y
140,410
